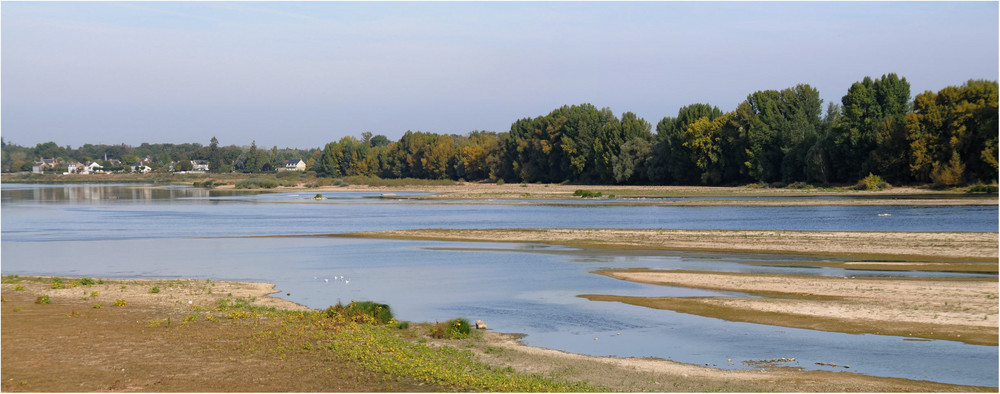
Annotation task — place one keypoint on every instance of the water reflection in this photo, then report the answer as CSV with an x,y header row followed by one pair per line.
x,y
95,194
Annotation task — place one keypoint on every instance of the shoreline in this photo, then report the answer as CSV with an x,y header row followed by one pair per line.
x,y
542,194
172,300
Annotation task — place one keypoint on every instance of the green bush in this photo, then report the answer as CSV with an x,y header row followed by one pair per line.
x,y
586,194
801,185
43,300
380,312
452,329
982,189
86,282
154,290
257,183
288,175
871,182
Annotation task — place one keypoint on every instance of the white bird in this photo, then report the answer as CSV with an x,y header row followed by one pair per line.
x,y
346,282
326,280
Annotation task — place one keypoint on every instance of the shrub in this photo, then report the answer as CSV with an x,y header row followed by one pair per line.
x,y
43,300
452,329
257,183
380,312
984,189
500,182
97,306
119,302
57,283
19,288
288,175
86,282
154,290
94,294
801,185
871,182
586,194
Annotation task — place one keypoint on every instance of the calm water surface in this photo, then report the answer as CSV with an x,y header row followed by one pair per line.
x,y
129,231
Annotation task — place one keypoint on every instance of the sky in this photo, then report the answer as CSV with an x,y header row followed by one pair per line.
x,y
302,74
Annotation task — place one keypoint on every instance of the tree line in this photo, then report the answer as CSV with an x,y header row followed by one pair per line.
x,y
947,138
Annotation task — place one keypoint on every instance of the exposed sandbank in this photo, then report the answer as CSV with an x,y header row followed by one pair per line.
x,y
962,310
974,247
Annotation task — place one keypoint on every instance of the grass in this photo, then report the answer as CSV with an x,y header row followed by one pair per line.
x,y
381,348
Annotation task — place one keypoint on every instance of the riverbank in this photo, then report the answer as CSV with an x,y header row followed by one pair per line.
x,y
534,193
868,246
198,335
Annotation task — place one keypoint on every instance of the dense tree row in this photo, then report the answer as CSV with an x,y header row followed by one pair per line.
x,y
947,138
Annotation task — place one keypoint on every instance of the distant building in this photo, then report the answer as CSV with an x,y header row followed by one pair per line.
x,y
44,165
140,168
199,165
295,165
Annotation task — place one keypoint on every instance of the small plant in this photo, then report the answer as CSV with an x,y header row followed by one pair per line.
x,y
403,325
19,288
318,196
86,282
500,182
154,290
381,313
43,300
871,182
452,329
97,306
982,189
94,294
57,284
191,317
18,309
586,194
119,302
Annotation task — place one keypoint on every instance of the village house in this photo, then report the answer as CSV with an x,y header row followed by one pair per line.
x,y
44,165
76,168
140,168
199,165
94,167
294,165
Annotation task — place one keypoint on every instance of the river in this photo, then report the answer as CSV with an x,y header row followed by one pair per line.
x,y
127,231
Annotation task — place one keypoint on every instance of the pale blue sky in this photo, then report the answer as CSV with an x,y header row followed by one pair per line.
x,y
304,74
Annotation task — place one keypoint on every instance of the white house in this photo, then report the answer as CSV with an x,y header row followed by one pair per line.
x,y
295,165
77,168
199,165
140,168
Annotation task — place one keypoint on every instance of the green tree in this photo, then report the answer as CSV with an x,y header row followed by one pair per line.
x,y
870,136
670,160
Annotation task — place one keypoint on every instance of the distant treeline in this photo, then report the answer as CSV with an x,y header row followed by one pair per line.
x,y
947,138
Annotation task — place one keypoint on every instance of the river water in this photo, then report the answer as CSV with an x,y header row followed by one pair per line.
x,y
120,231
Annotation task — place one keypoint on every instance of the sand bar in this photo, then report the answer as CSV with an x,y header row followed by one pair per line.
x,y
978,247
